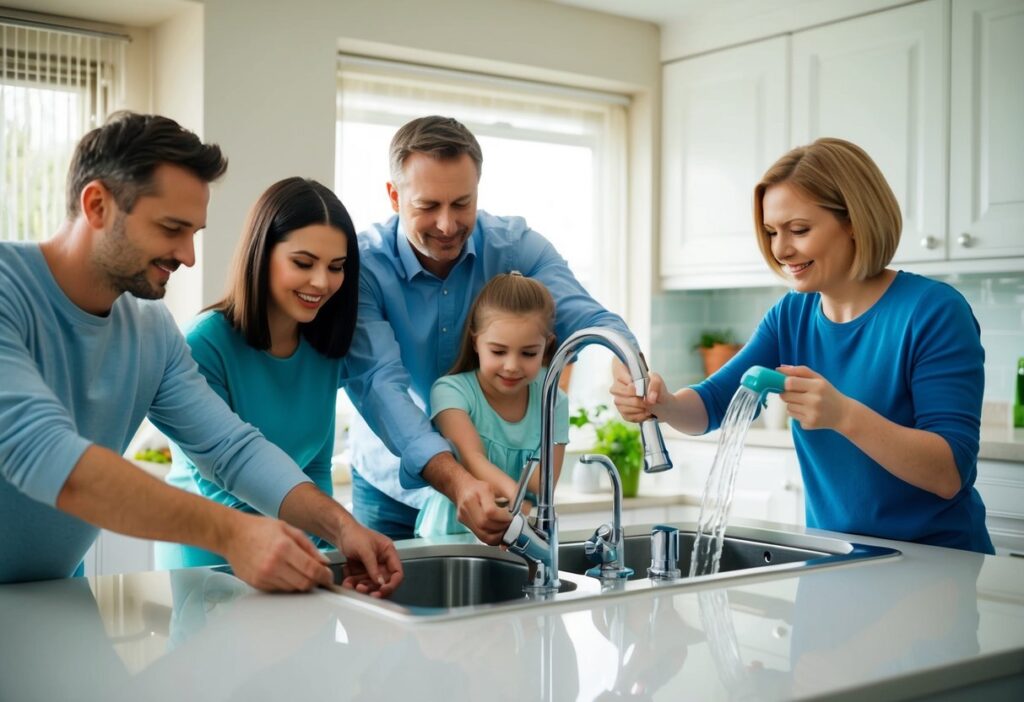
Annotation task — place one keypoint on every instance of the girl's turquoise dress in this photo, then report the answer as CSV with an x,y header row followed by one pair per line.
x,y
508,444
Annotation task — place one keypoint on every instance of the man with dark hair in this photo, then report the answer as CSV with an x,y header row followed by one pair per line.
x,y
83,363
421,270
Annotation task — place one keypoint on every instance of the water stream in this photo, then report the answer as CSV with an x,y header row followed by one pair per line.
x,y
718,490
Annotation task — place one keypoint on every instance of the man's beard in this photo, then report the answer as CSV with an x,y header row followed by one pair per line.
x,y
115,256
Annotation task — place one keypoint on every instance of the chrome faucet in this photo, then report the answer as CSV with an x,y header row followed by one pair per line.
x,y
607,547
537,542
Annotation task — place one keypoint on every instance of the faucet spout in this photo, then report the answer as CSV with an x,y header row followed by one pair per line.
x,y
546,525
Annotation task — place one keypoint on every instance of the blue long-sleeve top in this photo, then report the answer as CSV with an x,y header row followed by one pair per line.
x,y
290,400
914,357
70,379
409,329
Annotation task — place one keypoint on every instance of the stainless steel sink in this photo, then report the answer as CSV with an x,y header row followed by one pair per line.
x,y
456,580
745,550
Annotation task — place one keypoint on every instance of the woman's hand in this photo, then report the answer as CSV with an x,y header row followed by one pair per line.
x,y
633,408
812,401
372,564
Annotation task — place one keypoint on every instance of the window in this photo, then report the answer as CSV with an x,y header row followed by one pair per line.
x,y
555,156
55,85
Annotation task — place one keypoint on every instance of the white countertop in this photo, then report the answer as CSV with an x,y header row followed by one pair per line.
x,y
895,628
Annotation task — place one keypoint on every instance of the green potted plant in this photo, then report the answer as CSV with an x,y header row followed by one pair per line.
x,y
618,440
716,348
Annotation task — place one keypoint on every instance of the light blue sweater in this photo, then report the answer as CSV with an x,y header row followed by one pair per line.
x,y
69,379
290,400
914,357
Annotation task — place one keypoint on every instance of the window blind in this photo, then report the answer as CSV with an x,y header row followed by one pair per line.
x,y
55,85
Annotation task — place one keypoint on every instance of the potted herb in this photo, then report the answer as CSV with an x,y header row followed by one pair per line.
x,y
618,440
716,348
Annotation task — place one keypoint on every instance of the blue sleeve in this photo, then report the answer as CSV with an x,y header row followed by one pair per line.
x,y
227,451
948,374
575,309
39,445
448,393
761,350
378,383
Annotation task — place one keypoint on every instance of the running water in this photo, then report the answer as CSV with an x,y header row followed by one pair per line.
x,y
714,506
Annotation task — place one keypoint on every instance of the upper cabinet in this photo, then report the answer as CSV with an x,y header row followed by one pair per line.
x,y
881,82
932,91
724,123
986,155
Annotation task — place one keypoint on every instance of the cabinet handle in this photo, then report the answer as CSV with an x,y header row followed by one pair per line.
x,y
928,242
965,240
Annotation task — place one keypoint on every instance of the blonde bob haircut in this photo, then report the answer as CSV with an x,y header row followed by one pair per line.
x,y
842,178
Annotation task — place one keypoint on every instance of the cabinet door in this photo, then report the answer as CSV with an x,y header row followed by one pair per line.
x,y
986,183
881,81
724,123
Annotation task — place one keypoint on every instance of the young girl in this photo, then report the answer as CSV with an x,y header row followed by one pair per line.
x,y
273,347
489,406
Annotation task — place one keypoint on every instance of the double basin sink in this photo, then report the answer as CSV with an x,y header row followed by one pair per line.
x,y
456,580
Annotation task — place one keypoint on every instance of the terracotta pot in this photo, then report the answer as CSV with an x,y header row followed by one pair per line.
x,y
717,356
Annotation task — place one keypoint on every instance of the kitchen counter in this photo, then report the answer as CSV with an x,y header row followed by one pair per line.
x,y
931,619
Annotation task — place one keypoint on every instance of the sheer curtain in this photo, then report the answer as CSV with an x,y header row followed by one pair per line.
x,y
55,85
552,154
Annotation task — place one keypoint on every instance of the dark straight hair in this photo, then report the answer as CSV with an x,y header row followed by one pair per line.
x,y
288,205
126,150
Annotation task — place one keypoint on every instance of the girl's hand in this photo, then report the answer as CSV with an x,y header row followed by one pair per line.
x,y
812,401
633,408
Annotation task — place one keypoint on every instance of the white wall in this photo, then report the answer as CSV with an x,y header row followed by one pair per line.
x,y
269,86
177,92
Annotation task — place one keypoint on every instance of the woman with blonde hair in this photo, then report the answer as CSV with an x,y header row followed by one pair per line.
x,y
884,368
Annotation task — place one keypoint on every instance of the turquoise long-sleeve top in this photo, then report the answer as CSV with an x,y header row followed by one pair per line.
x,y
290,400
70,379
915,357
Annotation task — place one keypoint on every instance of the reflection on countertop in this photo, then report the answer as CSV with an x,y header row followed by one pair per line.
x,y
897,628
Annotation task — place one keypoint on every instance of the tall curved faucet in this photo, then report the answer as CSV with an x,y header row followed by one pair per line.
x,y
538,543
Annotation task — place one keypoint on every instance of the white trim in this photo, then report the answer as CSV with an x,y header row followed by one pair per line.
x,y
493,82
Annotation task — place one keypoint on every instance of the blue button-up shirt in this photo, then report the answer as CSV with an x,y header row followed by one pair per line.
x,y
409,329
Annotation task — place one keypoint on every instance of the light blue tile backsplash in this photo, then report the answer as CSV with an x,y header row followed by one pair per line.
x,y
679,317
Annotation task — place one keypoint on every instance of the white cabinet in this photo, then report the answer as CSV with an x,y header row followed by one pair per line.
x,y
768,482
986,187
932,90
724,122
881,82
1001,486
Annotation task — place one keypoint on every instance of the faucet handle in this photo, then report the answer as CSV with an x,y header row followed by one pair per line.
x,y
664,553
524,480
600,548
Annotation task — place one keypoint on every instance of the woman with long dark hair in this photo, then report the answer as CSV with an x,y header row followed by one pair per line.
x,y
272,348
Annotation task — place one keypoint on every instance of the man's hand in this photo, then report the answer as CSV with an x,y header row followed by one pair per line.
x,y
271,555
633,408
474,499
372,565
476,507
